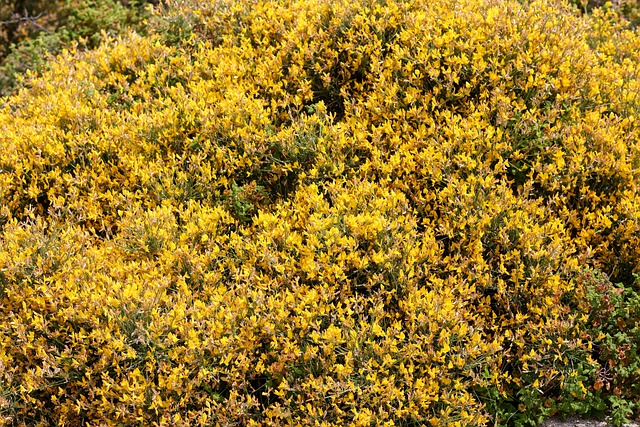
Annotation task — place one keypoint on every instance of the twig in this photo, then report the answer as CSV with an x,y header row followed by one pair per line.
x,y
26,18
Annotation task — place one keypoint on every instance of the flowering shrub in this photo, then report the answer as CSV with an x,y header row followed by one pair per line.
x,y
354,213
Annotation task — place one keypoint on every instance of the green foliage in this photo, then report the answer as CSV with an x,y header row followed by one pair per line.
x,y
30,55
35,31
614,326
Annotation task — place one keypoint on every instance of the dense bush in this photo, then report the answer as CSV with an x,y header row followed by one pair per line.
x,y
301,212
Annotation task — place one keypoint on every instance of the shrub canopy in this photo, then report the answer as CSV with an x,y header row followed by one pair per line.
x,y
297,212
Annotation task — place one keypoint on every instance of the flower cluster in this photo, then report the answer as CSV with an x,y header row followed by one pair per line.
x,y
346,213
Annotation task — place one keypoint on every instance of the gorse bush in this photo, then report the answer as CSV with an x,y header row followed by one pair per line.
x,y
326,213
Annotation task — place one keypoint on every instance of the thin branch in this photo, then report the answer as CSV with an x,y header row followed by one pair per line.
x,y
16,19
